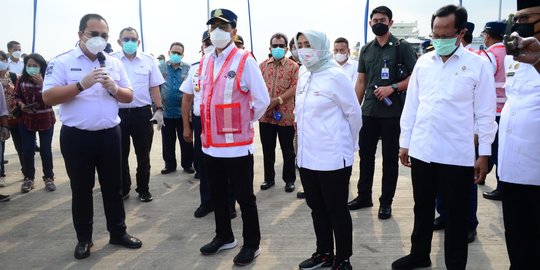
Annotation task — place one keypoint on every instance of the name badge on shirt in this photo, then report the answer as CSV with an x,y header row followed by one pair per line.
x,y
385,71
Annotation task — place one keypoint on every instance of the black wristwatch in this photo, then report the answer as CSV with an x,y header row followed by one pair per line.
x,y
159,108
395,87
79,86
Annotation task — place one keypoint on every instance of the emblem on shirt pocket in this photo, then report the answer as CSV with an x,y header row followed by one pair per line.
x,y
231,74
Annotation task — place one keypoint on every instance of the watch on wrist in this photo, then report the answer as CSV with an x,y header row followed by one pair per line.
x,y
159,108
395,87
79,86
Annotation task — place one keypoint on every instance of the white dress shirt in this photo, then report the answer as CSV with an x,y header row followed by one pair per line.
x,y
445,101
351,70
252,80
94,108
328,119
143,73
519,131
16,67
188,87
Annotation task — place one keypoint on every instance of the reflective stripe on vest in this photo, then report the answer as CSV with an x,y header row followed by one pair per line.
x,y
500,52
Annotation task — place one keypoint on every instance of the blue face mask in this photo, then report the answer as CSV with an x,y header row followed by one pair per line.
x,y
175,58
32,70
161,62
130,47
278,53
444,47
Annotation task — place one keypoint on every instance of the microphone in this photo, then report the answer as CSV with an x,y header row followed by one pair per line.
x,y
101,59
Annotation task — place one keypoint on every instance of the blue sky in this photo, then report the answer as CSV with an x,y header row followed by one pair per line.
x,y
166,21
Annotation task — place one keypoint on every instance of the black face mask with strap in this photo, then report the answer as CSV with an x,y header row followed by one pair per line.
x,y
525,29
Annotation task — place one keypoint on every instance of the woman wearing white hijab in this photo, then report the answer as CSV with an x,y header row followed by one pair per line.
x,y
328,119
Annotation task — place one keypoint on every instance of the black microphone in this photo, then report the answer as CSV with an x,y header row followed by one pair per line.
x,y
101,59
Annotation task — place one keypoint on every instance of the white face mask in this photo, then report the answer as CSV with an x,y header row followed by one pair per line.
x,y
3,66
96,44
16,54
308,56
208,49
340,57
220,38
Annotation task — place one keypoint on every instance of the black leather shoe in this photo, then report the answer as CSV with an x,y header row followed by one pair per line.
x,y
358,203
145,196
410,262
471,236
301,195
202,211
495,195
197,175
167,170
126,240
438,224
289,187
82,250
266,185
189,170
385,212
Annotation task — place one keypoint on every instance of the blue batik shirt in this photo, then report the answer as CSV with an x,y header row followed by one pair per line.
x,y
171,95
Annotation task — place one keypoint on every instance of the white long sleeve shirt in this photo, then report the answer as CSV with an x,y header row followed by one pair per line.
x,y
445,101
328,119
519,131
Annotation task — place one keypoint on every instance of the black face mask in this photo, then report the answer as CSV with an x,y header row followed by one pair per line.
x,y
525,29
379,29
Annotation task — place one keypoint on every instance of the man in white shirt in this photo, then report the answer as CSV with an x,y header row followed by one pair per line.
x,y
519,144
234,97
15,61
136,116
342,54
450,96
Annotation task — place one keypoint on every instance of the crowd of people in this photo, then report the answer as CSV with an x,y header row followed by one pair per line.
x,y
451,116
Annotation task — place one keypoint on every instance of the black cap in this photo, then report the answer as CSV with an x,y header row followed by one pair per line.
x,y
224,15
205,35
470,27
523,4
238,39
383,10
496,27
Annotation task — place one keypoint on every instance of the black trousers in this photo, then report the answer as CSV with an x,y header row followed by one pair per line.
x,y
269,133
453,183
237,172
173,129
137,126
17,142
521,213
85,152
326,194
388,130
198,162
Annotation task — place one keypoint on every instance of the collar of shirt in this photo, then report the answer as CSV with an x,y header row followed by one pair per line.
x,y
496,44
123,55
390,42
11,61
225,51
280,61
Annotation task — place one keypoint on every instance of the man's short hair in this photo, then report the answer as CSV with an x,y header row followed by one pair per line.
x,y
177,44
128,29
460,13
494,35
468,37
12,44
381,9
87,17
342,40
279,36
3,56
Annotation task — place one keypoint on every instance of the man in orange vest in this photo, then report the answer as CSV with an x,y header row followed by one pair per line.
x,y
234,97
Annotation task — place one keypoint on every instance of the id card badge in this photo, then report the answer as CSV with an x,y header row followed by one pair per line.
x,y
385,73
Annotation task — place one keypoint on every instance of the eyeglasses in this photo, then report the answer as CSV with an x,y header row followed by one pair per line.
x,y
435,36
175,52
126,39
524,18
278,45
98,34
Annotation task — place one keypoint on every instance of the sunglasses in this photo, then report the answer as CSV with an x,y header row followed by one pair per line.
x,y
278,45
98,34
126,39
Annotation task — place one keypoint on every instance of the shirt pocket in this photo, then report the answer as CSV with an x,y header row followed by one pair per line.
x,y
141,74
74,76
464,85
114,74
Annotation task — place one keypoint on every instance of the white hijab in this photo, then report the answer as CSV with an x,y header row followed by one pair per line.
x,y
319,41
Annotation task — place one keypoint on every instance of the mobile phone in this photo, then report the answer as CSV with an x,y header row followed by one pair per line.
x,y
511,45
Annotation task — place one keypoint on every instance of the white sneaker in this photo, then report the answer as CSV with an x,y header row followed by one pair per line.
x,y
2,181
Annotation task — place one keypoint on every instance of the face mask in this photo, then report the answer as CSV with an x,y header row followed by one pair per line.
x,y
278,53
525,29
3,65
208,49
130,47
444,47
379,29
161,62
340,57
220,38
95,44
308,56
16,54
175,58
32,70
294,53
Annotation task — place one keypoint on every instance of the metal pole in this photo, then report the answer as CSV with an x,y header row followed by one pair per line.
x,y
207,9
34,28
500,7
366,21
141,24
250,33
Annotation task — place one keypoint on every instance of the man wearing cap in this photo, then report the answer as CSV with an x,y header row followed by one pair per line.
x,y
468,37
519,140
383,73
239,42
493,35
280,74
234,97
136,116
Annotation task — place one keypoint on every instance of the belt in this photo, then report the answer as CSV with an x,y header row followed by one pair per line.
x,y
135,109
